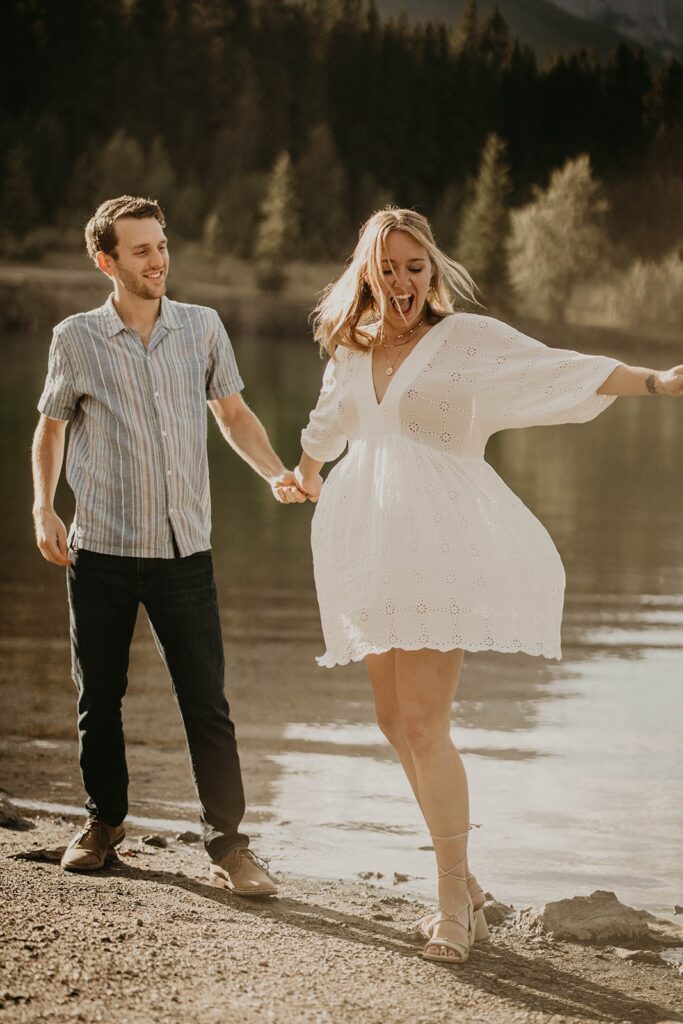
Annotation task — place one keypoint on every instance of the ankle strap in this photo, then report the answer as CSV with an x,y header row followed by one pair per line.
x,y
460,835
450,872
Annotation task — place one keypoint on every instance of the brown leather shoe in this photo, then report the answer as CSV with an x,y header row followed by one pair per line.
x,y
243,873
89,848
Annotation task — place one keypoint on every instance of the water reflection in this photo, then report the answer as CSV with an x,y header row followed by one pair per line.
x,y
570,764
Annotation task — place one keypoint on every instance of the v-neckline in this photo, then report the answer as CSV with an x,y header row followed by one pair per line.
x,y
406,362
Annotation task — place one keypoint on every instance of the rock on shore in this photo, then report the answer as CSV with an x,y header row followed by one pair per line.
x,y
599,919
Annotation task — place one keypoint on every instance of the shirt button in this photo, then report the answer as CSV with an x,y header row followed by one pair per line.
x,y
168,472
163,433
170,511
156,394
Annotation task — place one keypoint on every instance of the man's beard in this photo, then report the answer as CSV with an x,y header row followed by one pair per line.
x,y
138,287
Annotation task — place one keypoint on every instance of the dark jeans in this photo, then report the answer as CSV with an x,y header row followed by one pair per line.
x,y
179,596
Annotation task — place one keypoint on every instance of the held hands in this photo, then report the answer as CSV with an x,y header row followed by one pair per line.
x,y
285,489
51,537
291,487
670,382
310,485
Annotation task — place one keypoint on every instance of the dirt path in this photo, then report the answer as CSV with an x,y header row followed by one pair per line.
x,y
148,940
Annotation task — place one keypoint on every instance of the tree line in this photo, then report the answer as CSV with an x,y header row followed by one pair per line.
x,y
212,106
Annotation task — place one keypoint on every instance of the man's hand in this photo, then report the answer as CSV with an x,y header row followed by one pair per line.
x,y
286,490
51,537
310,486
670,382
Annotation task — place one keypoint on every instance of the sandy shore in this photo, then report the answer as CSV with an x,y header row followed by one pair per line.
x,y
147,939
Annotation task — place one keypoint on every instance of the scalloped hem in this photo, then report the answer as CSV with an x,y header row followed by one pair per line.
x,y
327,660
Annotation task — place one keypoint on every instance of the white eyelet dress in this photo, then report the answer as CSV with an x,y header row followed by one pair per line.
x,y
417,542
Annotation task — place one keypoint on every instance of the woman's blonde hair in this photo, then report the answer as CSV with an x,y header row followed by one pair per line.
x,y
348,305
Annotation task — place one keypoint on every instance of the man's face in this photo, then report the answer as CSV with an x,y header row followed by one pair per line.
x,y
141,262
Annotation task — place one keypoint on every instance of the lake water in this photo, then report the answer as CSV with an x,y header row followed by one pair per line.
x,y
574,767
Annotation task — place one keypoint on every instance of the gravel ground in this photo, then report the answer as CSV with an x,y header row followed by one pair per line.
x,y
148,940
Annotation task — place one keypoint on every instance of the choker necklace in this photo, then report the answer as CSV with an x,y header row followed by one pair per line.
x,y
406,334
391,368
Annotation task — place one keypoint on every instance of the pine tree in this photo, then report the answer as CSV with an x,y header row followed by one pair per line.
x,y
279,228
664,103
447,216
47,147
120,167
187,211
19,204
322,188
233,221
468,30
160,181
558,239
486,222
495,40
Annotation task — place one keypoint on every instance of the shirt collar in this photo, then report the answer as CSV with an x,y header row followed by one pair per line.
x,y
114,323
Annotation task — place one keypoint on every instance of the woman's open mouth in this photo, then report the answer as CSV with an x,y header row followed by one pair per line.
x,y
402,303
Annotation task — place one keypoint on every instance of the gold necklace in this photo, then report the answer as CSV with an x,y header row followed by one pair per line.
x,y
392,366
405,334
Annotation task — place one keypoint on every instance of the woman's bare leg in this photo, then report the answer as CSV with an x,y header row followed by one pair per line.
x,y
382,672
426,683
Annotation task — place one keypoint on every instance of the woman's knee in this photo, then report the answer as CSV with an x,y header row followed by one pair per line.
x,y
424,736
389,722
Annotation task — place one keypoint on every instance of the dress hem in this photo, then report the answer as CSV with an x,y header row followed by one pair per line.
x,y
328,661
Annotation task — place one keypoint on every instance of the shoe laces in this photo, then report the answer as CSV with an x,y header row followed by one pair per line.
x,y
244,851
91,825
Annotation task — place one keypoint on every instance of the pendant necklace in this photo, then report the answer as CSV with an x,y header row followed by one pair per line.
x,y
407,335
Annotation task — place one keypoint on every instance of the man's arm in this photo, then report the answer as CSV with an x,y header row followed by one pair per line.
x,y
638,380
47,455
244,432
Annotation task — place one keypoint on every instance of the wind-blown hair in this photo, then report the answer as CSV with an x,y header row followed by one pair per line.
x,y
348,306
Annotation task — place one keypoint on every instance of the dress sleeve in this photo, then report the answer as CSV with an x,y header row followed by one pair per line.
x,y
324,439
60,395
530,384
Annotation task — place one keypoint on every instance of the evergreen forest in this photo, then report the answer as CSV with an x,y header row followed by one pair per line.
x,y
212,106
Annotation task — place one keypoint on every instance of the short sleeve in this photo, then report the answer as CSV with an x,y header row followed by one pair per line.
x,y
530,384
323,439
60,395
222,376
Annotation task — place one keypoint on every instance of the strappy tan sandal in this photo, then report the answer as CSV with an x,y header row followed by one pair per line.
x,y
424,926
459,950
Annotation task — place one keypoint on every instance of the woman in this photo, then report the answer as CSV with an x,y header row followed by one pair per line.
x,y
420,550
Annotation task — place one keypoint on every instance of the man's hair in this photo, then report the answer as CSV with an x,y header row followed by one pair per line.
x,y
100,234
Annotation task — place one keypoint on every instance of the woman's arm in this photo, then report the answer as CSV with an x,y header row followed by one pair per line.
x,y
637,380
308,477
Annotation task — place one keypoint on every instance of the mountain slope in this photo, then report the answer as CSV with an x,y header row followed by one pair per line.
x,y
541,23
653,23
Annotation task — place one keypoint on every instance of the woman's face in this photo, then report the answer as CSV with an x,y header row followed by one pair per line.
x,y
405,273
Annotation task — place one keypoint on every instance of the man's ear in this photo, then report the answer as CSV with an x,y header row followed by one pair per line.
x,y
104,263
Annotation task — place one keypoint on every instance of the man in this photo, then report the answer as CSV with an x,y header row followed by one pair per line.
x,y
133,378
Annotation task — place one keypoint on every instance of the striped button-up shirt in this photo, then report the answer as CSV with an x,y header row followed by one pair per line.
x,y
136,460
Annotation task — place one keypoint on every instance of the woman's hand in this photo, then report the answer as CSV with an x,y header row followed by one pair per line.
x,y
286,489
309,485
670,382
